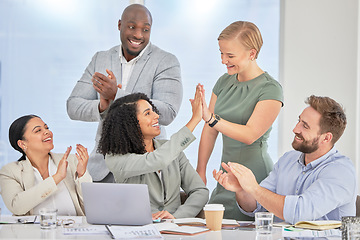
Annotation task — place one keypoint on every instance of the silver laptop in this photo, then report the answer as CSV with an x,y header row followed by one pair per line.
x,y
116,203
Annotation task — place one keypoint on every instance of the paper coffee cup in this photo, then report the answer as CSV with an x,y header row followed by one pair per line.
x,y
214,215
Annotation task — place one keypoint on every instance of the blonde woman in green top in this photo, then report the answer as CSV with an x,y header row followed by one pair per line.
x,y
244,104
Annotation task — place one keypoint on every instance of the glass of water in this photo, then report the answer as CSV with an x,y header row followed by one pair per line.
x,y
353,231
48,218
264,222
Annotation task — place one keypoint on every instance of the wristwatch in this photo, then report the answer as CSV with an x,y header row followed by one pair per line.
x,y
217,118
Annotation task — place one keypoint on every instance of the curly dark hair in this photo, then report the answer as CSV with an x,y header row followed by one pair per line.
x,y
121,133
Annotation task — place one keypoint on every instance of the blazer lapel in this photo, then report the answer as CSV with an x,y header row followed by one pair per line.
x,y
27,174
116,65
138,68
28,177
165,174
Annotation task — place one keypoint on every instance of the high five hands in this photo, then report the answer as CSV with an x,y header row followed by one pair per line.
x,y
206,114
196,105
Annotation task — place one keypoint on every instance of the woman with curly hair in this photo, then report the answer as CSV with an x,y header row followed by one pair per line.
x,y
134,156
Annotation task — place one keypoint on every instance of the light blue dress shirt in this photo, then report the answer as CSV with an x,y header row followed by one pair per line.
x,y
325,189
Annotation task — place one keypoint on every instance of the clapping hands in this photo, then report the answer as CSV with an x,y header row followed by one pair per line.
x,y
82,156
236,178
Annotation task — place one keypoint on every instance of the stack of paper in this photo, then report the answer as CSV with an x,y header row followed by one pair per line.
x,y
86,230
302,233
318,225
321,228
134,232
172,228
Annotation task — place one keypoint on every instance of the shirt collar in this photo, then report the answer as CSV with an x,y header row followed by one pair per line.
x,y
316,162
123,59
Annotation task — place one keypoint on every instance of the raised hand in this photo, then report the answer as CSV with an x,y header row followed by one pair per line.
x,y
61,169
83,157
196,104
206,115
196,109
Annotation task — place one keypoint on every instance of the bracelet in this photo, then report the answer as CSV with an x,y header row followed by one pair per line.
x,y
217,119
210,118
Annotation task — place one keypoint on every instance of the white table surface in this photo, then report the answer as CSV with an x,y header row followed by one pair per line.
x,y
33,231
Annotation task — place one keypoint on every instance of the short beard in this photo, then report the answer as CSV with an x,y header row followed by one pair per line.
x,y
307,147
132,53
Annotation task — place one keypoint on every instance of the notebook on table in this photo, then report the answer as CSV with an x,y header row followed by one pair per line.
x,y
116,203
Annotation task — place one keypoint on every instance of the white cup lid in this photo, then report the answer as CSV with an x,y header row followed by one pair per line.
x,y
214,207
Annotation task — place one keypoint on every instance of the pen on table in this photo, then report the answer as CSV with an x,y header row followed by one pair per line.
x,y
107,227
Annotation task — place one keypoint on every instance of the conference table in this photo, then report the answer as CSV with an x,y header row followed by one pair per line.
x,y
33,231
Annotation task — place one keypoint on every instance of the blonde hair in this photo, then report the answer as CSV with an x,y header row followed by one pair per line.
x,y
246,32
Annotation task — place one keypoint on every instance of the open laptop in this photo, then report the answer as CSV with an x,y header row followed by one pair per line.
x,y
116,203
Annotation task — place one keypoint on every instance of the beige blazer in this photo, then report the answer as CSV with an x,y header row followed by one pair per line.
x,y
20,195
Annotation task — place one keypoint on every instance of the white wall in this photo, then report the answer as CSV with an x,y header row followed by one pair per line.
x,y
319,54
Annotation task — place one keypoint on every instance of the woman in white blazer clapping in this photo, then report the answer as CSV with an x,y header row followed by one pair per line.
x,y
40,178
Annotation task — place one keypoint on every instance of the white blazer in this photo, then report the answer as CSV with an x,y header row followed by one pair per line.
x,y
20,195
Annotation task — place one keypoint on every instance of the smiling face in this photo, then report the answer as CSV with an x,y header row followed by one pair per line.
x,y
37,137
307,131
135,28
235,56
148,120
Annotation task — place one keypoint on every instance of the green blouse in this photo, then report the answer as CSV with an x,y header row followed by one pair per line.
x,y
235,103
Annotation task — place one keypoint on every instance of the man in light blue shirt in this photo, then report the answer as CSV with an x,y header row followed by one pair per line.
x,y
314,182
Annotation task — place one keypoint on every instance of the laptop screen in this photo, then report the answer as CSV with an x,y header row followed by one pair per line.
x,y
116,203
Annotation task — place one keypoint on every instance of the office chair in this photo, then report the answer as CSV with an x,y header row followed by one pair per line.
x,y
183,197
